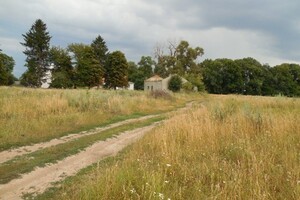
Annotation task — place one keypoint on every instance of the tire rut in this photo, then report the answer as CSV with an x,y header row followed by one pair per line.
x,y
10,154
33,183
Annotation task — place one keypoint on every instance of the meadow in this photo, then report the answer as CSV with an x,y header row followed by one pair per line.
x,y
224,147
34,115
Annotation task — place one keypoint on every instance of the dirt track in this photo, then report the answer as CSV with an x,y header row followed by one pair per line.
x,y
33,183
10,154
40,179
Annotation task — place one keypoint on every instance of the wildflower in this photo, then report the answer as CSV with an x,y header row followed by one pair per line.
x,y
132,191
161,196
168,165
167,181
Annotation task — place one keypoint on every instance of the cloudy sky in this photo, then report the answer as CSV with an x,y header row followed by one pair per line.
x,y
267,30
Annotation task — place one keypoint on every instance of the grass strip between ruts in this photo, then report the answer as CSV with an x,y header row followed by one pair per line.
x,y
14,168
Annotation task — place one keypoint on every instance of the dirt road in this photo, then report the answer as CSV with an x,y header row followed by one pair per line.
x,y
10,154
33,183
40,179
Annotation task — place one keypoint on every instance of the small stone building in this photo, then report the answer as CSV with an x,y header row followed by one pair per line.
x,y
158,83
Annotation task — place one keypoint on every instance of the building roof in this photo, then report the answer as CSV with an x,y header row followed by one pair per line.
x,y
154,78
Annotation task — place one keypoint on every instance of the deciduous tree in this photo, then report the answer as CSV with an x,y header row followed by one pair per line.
x,y
7,64
88,70
116,71
62,72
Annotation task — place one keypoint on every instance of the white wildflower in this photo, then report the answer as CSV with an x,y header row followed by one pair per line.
x,y
132,191
161,196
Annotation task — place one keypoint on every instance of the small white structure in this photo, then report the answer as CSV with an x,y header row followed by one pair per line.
x,y
131,86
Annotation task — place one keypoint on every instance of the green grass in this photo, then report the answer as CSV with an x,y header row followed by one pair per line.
x,y
14,168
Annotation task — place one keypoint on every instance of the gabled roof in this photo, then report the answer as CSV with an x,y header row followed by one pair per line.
x,y
154,78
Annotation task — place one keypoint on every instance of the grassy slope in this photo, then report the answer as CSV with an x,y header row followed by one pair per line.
x,y
231,147
34,115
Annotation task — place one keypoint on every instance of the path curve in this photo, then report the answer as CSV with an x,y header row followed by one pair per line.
x,y
33,183
10,154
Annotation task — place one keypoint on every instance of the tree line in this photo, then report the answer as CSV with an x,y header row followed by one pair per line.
x,y
90,65
79,65
247,76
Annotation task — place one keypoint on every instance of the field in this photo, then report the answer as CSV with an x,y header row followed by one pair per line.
x,y
221,147
226,147
32,115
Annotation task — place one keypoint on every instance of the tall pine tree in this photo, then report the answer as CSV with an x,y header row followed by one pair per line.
x,y
37,43
100,50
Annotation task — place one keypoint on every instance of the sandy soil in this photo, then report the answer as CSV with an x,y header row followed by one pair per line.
x,y
33,183
10,154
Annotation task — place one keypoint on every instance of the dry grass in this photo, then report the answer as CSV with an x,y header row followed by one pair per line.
x,y
230,147
34,115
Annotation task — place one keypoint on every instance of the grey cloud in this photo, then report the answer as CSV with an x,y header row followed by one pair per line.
x,y
225,28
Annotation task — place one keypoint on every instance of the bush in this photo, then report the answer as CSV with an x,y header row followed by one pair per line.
x,y
175,83
188,86
160,94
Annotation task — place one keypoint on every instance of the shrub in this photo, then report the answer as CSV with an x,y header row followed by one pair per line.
x,y
160,94
175,83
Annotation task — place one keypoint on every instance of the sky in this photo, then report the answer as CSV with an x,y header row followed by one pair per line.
x,y
267,30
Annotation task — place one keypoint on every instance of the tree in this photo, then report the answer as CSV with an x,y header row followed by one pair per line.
x,y
222,76
146,65
175,83
116,71
252,74
62,72
100,50
182,59
37,42
196,80
286,79
136,76
88,70
7,64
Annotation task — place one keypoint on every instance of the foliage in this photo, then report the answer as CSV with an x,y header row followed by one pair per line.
x,y
88,70
160,94
181,59
7,64
196,81
253,76
175,83
286,79
188,87
139,73
145,65
100,50
36,42
116,70
247,76
136,76
62,72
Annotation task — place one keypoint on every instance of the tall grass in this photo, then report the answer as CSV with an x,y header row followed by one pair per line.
x,y
230,147
34,115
